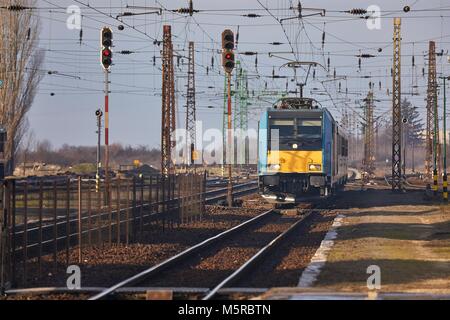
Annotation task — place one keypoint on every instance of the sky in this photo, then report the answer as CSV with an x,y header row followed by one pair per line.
x,y
64,108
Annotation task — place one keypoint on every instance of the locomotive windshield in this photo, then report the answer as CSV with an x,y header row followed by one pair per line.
x,y
297,134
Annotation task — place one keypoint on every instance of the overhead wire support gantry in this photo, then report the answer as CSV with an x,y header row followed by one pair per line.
x,y
430,110
190,109
369,138
432,129
240,117
168,103
397,176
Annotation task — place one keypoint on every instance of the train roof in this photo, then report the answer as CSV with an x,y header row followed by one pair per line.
x,y
296,103
303,112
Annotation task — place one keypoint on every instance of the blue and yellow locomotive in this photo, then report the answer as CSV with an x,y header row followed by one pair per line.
x,y
301,148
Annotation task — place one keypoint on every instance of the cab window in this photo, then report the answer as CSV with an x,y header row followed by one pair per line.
x,y
297,134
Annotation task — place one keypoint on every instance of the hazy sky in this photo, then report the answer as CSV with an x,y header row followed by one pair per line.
x,y
68,116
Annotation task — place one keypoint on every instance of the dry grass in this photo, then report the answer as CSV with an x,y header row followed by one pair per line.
x,y
410,244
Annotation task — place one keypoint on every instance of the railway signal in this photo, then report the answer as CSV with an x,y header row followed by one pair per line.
x,y
228,61
227,51
227,40
106,62
228,65
106,44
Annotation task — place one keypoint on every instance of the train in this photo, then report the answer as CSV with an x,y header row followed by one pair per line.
x,y
302,151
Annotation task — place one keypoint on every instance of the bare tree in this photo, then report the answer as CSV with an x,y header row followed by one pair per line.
x,y
25,149
20,61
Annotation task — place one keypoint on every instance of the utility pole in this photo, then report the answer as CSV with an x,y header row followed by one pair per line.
x,y
190,109
397,178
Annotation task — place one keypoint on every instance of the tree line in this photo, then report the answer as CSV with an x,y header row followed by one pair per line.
x,y
69,155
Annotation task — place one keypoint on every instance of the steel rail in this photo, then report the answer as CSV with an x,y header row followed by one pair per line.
x,y
236,193
388,180
182,255
251,263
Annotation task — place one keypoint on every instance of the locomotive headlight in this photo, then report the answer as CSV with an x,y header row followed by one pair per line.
x,y
315,167
294,146
275,167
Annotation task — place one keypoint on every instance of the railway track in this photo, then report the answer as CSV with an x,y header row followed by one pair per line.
x,y
388,181
258,237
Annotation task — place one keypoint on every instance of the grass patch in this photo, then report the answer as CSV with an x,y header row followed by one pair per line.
x,y
84,168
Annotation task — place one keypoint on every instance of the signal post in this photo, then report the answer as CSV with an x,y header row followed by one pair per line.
x,y
228,65
106,62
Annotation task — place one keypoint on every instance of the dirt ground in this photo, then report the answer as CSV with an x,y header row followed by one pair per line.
x,y
406,236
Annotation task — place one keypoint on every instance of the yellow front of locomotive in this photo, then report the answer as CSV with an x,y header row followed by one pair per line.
x,y
299,148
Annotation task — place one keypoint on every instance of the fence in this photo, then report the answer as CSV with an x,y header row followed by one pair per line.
x,y
47,217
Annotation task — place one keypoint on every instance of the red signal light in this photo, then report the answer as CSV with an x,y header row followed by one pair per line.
x,y
228,61
107,53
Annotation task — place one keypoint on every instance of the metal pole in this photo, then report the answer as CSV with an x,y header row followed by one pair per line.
x,y
435,142
405,137
3,237
107,198
41,202
224,149
444,178
99,138
230,174
25,232
80,230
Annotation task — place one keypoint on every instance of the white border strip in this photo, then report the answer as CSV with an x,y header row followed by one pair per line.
x,y
310,274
